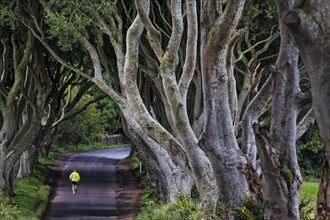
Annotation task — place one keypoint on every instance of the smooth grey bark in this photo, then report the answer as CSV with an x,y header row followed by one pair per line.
x,y
26,162
231,166
198,162
165,138
305,123
250,117
233,100
281,177
218,137
194,154
247,64
173,173
168,179
308,23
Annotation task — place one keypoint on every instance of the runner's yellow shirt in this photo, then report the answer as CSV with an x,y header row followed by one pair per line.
x,y
74,177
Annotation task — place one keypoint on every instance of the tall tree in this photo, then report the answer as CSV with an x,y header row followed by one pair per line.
x,y
218,137
23,93
174,85
281,177
308,22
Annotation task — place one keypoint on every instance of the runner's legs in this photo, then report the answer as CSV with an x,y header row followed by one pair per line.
x,y
74,187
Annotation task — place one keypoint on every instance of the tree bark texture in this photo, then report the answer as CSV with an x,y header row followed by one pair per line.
x,y
218,137
156,77
251,115
309,25
281,177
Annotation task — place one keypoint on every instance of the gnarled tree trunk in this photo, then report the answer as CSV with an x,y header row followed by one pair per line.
x,y
281,177
309,24
218,137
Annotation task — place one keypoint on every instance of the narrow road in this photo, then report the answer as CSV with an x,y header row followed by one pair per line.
x,y
105,191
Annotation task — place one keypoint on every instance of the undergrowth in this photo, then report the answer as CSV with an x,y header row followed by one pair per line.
x,y
183,209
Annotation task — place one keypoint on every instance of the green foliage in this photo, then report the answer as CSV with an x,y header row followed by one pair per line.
x,y
55,151
306,209
31,197
69,21
308,191
310,151
109,109
185,206
97,120
135,165
253,210
148,191
68,33
288,174
259,14
110,112
8,211
84,128
250,210
183,209
47,162
8,19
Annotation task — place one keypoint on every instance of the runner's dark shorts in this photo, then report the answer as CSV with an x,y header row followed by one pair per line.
x,y
74,183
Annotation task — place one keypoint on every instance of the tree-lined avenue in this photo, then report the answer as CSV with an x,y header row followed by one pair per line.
x,y
105,191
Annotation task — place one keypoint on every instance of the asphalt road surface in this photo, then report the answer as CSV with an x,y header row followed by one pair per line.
x,y
105,190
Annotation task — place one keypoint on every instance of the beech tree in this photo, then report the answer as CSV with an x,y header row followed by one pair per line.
x,y
23,93
281,177
309,25
218,137
171,70
33,86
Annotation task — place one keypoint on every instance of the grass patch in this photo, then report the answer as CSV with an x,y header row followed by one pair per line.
x,y
8,211
308,198
31,196
32,192
308,190
183,209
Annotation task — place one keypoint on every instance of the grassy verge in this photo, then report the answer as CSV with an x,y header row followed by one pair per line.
x,y
31,195
186,209
148,195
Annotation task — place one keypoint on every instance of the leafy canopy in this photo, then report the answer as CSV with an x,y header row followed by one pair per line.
x,y
69,21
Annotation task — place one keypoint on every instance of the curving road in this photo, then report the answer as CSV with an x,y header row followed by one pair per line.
x,y
105,191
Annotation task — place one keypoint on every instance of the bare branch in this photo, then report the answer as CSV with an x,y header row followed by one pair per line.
x,y
191,50
154,36
305,123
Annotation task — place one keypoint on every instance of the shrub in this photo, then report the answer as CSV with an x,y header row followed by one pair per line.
x,y
251,210
183,209
8,211
310,151
84,127
306,209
